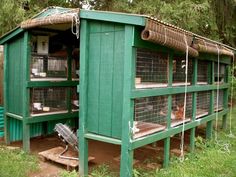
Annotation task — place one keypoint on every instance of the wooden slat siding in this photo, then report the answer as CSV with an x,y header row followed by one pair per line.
x,y
14,83
118,75
106,76
93,80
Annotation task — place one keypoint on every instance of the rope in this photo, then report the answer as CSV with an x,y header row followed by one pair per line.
x,y
76,23
185,101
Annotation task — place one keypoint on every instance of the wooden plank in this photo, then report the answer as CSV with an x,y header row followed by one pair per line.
x,y
176,122
117,82
53,155
106,79
93,81
146,128
113,17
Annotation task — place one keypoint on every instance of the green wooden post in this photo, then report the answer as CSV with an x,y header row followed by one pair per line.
x,y
211,111
126,164
194,104
83,142
5,90
226,96
25,100
168,122
69,77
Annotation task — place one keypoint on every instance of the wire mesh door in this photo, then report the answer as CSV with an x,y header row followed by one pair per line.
x,y
150,115
202,72
221,74
48,100
179,64
203,104
177,113
151,69
74,99
220,100
44,67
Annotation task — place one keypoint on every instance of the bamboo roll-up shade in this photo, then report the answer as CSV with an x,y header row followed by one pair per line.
x,y
164,35
206,47
57,18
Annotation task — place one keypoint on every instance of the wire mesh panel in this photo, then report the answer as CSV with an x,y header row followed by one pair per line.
x,y
48,100
202,72
150,115
151,69
177,113
75,69
203,104
74,99
179,64
220,100
44,67
221,74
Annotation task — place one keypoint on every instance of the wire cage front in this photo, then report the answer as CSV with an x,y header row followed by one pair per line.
x,y
46,67
74,99
179,65
151,69
150,115
220,97
48,100
202,72
219,76
203,104
177,113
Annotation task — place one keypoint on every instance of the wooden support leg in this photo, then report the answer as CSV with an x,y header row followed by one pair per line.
x,y
26,137
224,122
83,156
209,130
6,130
192,139
126,163
166,152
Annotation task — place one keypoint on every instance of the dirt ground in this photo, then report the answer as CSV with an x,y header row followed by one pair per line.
x,y
150,156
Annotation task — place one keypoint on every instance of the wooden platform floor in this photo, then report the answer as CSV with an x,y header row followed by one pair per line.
x,y
53,155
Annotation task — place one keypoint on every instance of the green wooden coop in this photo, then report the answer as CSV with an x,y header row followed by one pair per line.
x,y
136,74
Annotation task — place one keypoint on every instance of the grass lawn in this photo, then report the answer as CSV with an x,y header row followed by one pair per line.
x,y
211,159
16,163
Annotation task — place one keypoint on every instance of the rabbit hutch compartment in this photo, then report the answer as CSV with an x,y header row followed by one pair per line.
x,y
134,85
41,73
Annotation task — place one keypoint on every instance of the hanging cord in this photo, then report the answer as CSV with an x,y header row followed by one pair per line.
x,y
76,23
231,102
185,100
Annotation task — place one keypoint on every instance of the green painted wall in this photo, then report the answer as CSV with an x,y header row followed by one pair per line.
x,y
15,76
105,78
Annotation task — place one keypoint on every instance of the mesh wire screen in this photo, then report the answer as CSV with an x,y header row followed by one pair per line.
x,y
151,109
150,115
75,69
151,68
222,72
220,100
74,99
46,100
179,64
202,72
43,66
178,106
203,104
